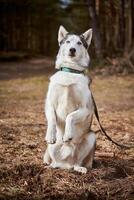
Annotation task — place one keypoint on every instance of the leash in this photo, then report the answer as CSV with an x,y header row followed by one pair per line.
x,y
103,130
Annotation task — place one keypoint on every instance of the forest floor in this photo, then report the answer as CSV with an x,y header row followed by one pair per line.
x,y
23,86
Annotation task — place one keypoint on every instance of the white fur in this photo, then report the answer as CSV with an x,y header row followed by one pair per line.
x,y
61,34
88,36
69,110
81,59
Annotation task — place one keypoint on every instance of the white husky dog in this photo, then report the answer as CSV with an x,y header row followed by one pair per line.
x,y
69,107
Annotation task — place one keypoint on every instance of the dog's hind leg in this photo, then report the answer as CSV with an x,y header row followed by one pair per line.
x,y
91,145
46,158
54,152
55,155
85,153
88,161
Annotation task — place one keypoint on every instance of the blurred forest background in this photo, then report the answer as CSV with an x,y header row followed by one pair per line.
x,y
30,27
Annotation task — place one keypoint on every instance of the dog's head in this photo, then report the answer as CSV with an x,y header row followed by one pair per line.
x,y
73,49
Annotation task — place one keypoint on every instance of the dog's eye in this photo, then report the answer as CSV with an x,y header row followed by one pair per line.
x,y
79,43
67,41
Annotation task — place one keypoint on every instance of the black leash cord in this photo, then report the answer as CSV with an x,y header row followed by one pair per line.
x,y
103,130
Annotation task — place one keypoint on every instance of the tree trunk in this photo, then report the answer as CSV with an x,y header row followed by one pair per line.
x,y
132,20
95,26
129,24
122,25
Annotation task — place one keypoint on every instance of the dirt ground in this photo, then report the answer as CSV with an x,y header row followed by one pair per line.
x,y
23,176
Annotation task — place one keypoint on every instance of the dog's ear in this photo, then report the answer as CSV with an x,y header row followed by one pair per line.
x,y
88,36
61,34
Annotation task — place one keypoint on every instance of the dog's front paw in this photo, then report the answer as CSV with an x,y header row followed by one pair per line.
x,y
67,138
50,135
50,139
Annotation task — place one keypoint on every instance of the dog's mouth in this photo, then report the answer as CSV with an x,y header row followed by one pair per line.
x,y
72,55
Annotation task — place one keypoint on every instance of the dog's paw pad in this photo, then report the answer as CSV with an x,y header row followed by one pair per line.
x,y
82,170
70,139
51,140
67,139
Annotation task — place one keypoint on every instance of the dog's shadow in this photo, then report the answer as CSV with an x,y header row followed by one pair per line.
x,y
110,168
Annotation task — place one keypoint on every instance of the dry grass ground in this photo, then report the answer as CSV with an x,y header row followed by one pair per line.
x,y
22,128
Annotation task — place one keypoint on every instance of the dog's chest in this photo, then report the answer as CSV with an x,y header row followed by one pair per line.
x,y
68,100
69,93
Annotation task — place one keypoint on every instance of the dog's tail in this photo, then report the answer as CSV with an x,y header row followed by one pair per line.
x,y
66,151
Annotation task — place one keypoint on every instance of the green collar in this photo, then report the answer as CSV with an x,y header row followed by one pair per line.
x,y
66,69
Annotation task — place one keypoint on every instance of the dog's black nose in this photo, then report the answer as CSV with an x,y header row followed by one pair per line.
x,y
72,50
